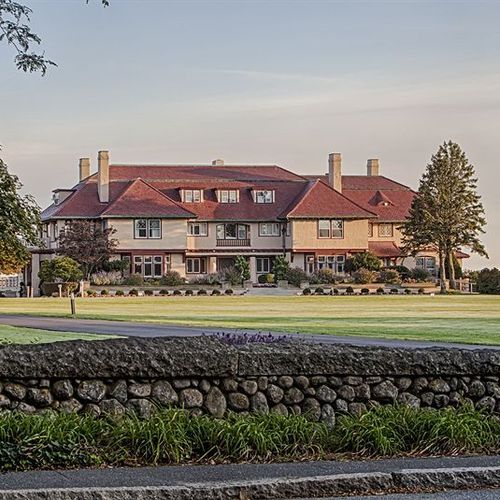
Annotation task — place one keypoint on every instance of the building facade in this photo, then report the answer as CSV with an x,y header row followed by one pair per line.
x,y
195,219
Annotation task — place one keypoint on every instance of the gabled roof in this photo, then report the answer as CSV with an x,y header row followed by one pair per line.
x,y
320,200
384,249
139,199
380,198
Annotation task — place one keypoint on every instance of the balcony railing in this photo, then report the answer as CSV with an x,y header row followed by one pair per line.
x,y
234,243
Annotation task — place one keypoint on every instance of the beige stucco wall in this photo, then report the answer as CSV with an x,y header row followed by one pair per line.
x,y
256,242
174,237
396,234
305,235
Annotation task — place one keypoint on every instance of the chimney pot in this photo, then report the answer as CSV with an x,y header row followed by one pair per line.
x,y
218,163
103,176
372,167
335,171
83,168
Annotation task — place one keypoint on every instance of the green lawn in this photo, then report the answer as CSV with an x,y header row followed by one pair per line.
x,y
16,335
453,318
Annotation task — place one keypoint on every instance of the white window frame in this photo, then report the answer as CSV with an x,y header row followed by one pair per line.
x,y
192,195
148,228
195,265
337,231
264,196
154,233
197,229
228,196
327,227
333,262
263,265
269,229
221,231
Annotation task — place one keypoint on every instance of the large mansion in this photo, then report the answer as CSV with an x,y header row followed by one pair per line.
x,y
196,218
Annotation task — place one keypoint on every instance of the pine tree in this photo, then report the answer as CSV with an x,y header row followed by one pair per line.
x,y
447,213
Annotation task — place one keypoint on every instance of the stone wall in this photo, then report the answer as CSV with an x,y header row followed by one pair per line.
x,y
208,376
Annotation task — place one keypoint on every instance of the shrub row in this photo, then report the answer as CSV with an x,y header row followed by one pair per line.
x,y
164,293
175,436
364,291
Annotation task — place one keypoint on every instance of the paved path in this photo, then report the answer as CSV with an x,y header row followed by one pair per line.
x,y
133,329
171,476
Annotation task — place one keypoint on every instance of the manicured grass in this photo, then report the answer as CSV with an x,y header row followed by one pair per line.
x,y
175,437
452,318
16,335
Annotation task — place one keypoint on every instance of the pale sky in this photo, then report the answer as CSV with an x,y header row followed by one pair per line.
x,y
267,81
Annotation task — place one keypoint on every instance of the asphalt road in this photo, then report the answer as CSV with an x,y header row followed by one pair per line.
x,y
133,329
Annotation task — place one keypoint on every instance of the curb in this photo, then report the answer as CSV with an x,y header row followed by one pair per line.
x,y
403,480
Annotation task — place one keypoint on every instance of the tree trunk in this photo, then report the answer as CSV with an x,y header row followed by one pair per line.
x,y
442,272
451,266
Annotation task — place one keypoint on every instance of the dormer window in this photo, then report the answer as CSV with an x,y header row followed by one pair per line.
x,y
191,195
228,195
264,196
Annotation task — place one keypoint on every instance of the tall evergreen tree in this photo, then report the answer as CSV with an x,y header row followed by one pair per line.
x,y
447,213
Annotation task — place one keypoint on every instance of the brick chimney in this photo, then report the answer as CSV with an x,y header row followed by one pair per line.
x,y
372,167
218,163
103,176
83,168
335,171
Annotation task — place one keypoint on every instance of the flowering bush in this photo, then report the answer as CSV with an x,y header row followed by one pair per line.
x,y
107,278
363,276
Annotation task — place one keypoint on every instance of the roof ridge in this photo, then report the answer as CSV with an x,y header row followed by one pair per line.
x,y
301,197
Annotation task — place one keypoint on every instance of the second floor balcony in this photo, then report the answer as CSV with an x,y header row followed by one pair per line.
x,y
245,242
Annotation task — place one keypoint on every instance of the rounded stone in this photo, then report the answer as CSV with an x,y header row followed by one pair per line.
x,y
441,400
476,389
238,401
302,382
311,409
191,398
346,392
25,408
111,407
91,409
341,406
328,416
215,402
258,403
39,397
293,396
280,409
439,386
493,389
262,383
335,381
15,391
62,389
181,383
419,385
362,392
4,401
408,399
318,380
142,407
350,380
119,392
204,386
70,406
92,391
357,408
274,393
373,380
163,393
295,410
403,383
139,390
487,404
385,391
249,387
285,382
229,385
427,398
326,394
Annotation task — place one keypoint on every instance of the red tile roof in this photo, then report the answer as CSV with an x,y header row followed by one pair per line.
x,y
320,200
384,249
158,194
140,199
